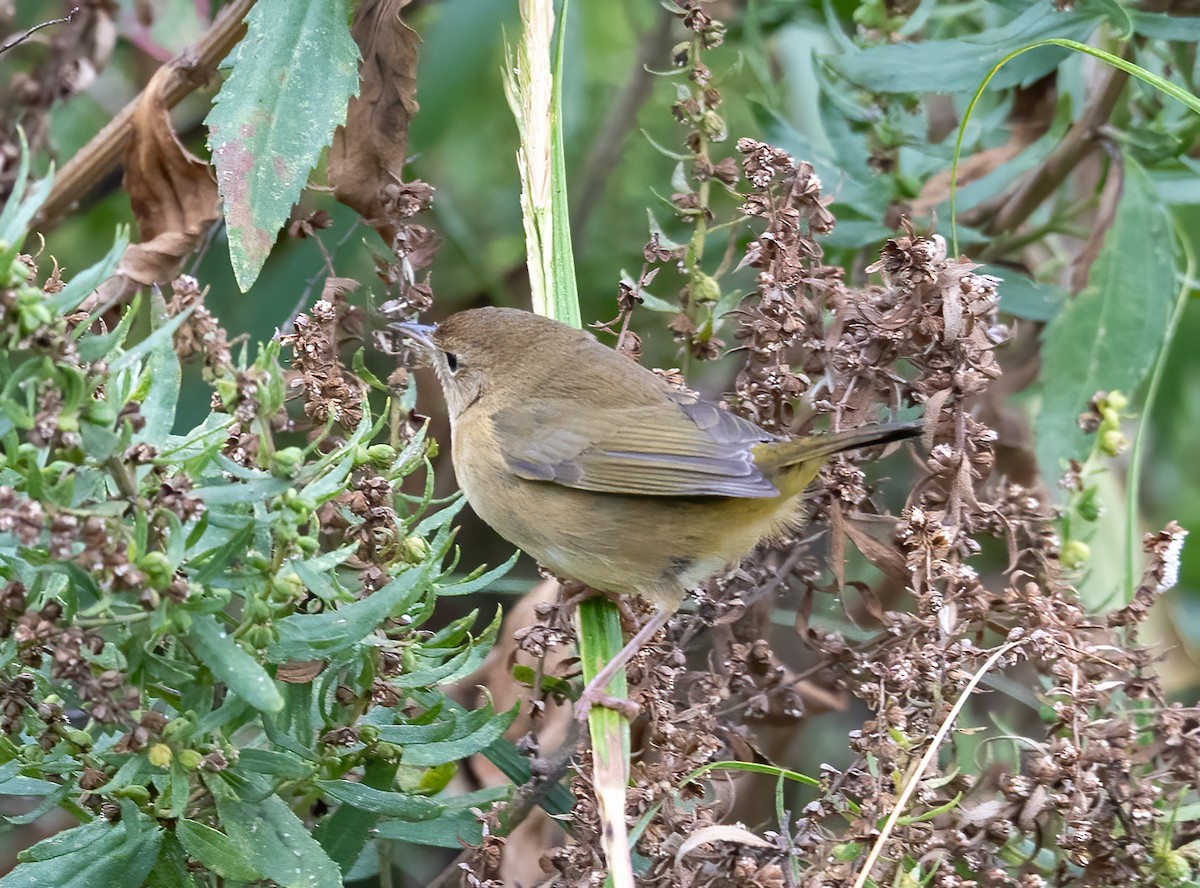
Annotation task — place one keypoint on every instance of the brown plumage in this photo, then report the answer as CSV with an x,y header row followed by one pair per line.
x,y
603,472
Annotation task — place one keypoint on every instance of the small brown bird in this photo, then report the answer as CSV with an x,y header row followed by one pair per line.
x,y
603,472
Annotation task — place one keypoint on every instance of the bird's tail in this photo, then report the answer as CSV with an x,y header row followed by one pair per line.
x,y
815,449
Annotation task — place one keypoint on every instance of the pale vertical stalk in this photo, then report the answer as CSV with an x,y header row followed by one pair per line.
x,y
528,84
535,97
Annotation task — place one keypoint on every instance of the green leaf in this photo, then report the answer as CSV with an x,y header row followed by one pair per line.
x,y
152,342
451,830
430,733
95,854
284,851
474,584
274,764
293,75
217,650
226,857
318,636
164,374
564,295
1108,336
171,868
83,283
19,211
13,783
344,833
474,732
957,65
1164,26
377,801
1023,297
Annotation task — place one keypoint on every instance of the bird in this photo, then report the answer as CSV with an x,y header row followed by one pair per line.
x,y
605,473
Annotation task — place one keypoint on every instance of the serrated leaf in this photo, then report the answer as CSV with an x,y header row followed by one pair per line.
x,y
459,747
293,75
452,830
958,65
96,853
318,636
243,675
377,801
226,857
284,851
470,585
274,764
1108,336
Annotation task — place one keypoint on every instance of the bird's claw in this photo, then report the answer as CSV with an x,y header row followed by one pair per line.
x,y
590,698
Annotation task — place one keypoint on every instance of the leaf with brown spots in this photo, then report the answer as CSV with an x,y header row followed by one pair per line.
x,y
368,153
292,77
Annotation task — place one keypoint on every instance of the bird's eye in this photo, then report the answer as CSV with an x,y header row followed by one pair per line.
x,y
452,361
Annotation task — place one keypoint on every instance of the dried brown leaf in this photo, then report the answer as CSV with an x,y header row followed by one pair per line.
x,y
299,672
173,194
882,556
719,833
367,155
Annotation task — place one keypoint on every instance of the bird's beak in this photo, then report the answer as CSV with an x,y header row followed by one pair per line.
x,y
422,334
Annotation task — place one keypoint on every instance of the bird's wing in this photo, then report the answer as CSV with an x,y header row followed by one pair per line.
x,y
679,447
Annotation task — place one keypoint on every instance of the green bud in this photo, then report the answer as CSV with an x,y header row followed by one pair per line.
x,y
704,288
176,727
1113,443
1075,554
100,412
286,462
157,569
190,759
135,793
389,752
415,549
306,544
260,636
17,272
382,455
368,734
1089,507
82,739
160,755
255,610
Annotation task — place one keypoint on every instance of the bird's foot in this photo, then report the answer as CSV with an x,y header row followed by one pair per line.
x,y
596,697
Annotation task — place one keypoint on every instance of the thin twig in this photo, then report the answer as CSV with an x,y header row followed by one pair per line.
x,y
935,746
1008,212
17,41
191,68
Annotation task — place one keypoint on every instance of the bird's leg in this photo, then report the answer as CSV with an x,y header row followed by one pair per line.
x,y
573,594
596,692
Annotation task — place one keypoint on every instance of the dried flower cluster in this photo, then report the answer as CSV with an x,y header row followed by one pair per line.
x,y
1097,780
